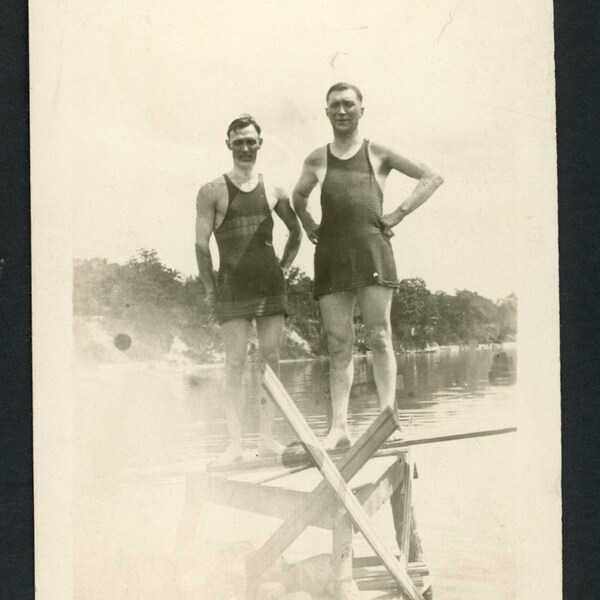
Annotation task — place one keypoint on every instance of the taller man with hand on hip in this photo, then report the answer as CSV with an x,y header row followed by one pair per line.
x,y
353,255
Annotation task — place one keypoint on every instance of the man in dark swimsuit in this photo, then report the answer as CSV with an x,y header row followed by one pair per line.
x,y
353,255
237,208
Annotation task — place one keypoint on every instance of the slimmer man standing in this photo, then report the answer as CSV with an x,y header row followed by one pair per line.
x,y
237,208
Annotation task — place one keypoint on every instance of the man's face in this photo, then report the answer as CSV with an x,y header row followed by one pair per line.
x,y
344,111
244,145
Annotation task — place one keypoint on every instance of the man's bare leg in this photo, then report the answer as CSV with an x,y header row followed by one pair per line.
x,y
235,336
337,312
375,305
269,331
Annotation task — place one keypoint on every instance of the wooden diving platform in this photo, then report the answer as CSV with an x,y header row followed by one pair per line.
x,y
339,491
292,498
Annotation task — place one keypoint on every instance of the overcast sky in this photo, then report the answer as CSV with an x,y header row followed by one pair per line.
x,y
148,88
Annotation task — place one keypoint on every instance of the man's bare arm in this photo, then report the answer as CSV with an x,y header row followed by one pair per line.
x,y
284,210
429,181
307,182
205,219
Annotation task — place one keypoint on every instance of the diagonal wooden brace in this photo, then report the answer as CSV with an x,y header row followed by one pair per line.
x,y
322,496
334,486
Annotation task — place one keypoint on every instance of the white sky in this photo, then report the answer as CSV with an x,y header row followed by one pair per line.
x,y
147,90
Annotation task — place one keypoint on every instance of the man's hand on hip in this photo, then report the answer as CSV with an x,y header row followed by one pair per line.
x,y
312,232
391,220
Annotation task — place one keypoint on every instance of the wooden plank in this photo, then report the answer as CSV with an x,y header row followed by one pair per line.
x,y
370,575
283,502
258,476
278,475
376,583
331,474
372,497
272,502
301,458
370,472
305,481
321,499
434,439
363,562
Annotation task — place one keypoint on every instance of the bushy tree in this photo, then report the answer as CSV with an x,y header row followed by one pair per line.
x,y
304,310
507,318
162,303
447,326
413,313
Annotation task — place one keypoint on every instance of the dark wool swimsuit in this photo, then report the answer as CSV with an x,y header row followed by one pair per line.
x,y
352,250
250,282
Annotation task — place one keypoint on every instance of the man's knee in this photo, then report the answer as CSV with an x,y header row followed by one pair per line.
x,y
380,337
235,365
269,355
340,344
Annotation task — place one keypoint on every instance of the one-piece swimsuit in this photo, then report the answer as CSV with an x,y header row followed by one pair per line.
x,y
352,250
250,281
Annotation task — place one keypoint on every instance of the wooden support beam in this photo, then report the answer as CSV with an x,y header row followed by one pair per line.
x,y
405,524
406,514
369,575
283,473
321,498
266,555
281,502
341,556
371,497
272,502
397,504
415,551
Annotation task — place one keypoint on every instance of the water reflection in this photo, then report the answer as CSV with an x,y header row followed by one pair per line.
x,y
142,429
438,388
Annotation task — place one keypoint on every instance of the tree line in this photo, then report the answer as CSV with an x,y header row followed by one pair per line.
x,y
163,303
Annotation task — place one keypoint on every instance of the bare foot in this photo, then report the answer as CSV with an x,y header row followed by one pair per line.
x,y
232,455
337,438
269,447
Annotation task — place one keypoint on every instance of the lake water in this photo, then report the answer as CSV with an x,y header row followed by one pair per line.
x,y
142,428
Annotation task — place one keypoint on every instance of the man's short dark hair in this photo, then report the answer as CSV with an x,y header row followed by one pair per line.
x,y
340,87
241,122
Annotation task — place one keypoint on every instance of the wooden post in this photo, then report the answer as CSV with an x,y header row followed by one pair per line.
x,y
415,551
400,503
405,524
341,556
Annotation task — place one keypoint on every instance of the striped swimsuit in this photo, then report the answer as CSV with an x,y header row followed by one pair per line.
x,y
250,281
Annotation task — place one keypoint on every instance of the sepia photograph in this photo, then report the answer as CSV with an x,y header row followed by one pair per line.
x,y
295,301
